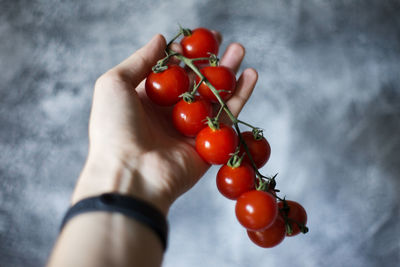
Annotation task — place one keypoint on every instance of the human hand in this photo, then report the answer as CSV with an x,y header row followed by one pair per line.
x,y
134,148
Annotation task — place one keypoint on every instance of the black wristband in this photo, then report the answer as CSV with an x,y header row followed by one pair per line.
x,y
129,206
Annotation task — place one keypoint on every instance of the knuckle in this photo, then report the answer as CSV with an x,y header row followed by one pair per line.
x,y
111,77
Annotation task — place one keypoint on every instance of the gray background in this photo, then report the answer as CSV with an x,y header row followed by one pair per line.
x,y
328,99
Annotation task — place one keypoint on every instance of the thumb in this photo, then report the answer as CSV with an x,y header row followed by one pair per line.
x,y
115,105
137,66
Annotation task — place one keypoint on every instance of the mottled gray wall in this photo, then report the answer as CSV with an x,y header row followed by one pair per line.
x,y
328,97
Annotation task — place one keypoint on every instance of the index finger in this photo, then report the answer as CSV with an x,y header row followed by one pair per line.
x,y
244,89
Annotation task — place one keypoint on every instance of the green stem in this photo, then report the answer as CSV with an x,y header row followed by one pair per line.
x,y
200,58
278,198
196,87
173,39
247,124
161,64
219,113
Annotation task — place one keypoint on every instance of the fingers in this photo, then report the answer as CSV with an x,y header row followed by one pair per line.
x,y
136,67
233,56
244,88
176,47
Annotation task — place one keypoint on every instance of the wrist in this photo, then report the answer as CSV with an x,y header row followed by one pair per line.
x,y
101,175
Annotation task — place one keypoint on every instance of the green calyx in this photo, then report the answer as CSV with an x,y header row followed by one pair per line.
x,y
272,183
159,67
235,161
188,97
213,123
185,31
289,229
162,63
257,133
214,60
267,185
262,184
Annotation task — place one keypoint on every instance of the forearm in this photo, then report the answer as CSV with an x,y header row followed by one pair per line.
x,y
106,239
103,238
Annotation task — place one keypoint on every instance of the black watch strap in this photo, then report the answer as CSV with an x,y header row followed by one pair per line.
x,y
129,206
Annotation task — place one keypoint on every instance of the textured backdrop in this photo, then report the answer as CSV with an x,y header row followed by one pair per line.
x,y
328,98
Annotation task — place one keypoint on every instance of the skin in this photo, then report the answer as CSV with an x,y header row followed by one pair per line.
x,y
134,150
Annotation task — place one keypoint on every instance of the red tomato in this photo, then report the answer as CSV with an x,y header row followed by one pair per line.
x,y
234,181
216,145
222,78
260,150
271,236
189,118
200,43
256,210
166,87
296,213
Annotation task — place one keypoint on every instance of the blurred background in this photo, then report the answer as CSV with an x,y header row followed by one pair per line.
x,y
328,98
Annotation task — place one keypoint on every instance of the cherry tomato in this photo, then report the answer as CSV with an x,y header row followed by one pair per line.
x,y
234,181
222,78
296,213
216,145
189,118
260,150
200,43
271,236
166,87
256,210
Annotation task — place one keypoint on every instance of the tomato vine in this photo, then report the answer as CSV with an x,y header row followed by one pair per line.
x,y
256,206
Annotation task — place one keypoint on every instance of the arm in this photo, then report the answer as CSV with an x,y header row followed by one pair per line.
x,y
106,239
134,150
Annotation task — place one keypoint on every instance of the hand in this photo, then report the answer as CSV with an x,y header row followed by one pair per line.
x,y
134,148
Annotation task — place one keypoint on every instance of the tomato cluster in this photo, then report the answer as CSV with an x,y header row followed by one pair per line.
x,y
266,217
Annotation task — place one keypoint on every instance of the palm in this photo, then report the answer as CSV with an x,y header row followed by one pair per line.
x,y
127,125
176,152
